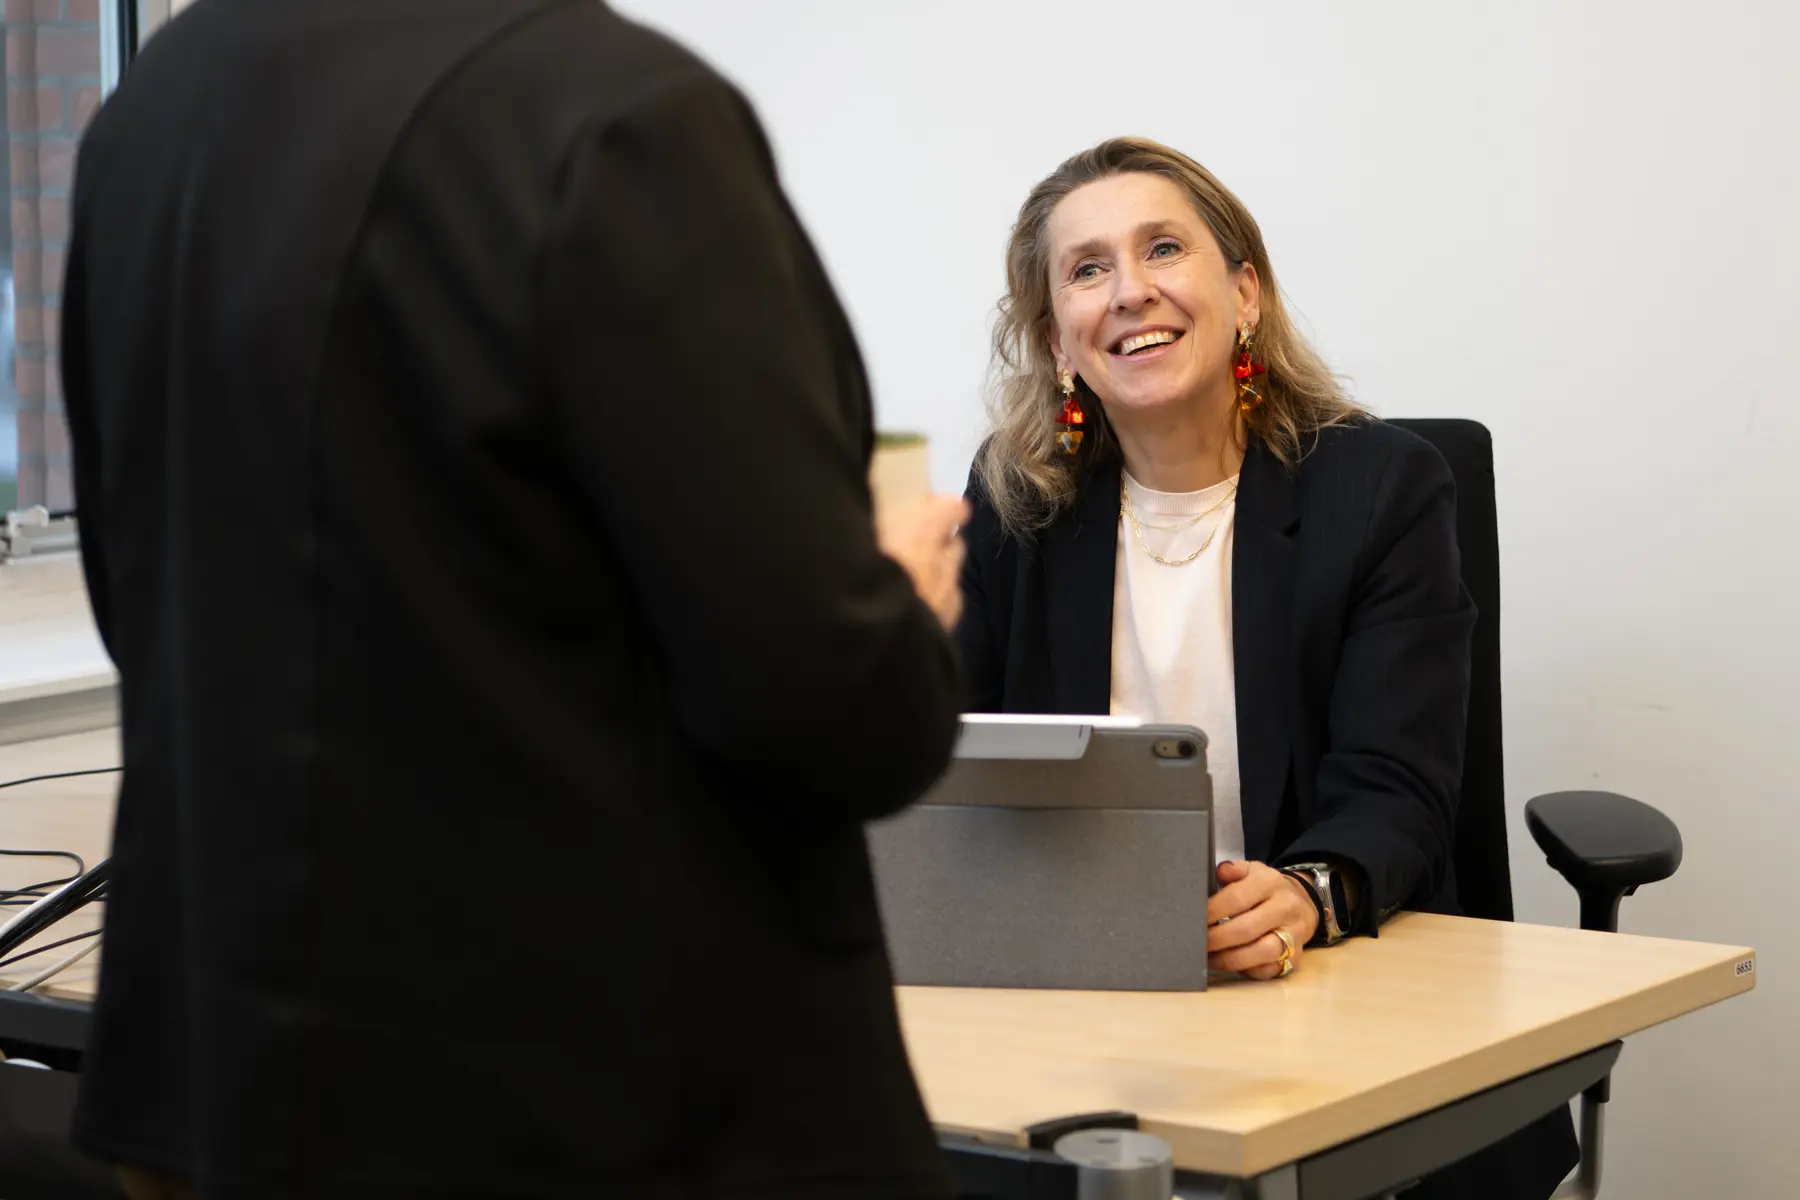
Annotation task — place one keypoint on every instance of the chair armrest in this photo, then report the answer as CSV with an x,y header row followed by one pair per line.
x,y
1605,845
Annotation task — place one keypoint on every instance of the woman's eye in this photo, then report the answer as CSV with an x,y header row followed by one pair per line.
x,y
1086,270
1165,249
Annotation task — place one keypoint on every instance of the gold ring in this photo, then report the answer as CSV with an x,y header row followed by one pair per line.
x,y
1287,968
1287,949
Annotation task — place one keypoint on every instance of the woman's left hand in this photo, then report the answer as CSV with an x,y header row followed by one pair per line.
x,y
1253,900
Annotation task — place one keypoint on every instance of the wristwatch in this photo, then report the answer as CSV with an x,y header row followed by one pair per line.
x,y
1327,890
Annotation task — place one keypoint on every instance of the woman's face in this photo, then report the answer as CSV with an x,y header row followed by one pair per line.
x,y
1145,309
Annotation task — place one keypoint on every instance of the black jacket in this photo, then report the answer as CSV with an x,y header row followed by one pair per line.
x,y
1350,632
471,467
1351,636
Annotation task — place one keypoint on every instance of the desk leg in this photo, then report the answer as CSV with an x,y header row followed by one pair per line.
x,y
1585,1183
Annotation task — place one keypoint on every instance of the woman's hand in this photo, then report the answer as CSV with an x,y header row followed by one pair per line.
x,y
1254,900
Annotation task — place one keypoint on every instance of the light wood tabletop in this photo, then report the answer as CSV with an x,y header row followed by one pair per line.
x,y
1240,1079
55,676
48,640
1246,1077
59,814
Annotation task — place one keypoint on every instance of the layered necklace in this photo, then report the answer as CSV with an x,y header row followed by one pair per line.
x,y
1138,525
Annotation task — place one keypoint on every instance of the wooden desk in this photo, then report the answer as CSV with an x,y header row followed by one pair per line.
x,y
62,814
1247,1077
55,677
1238,1080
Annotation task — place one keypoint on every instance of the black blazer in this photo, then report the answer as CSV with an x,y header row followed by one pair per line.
x,y
471,468
1351,634
1351,631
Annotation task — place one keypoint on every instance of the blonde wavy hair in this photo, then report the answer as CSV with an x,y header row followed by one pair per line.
x,y
1028,480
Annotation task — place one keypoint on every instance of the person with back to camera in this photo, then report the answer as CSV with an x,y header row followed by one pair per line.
x,y
1178,515
471,456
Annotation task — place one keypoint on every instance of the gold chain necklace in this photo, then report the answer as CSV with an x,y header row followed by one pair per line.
x,y
1137,527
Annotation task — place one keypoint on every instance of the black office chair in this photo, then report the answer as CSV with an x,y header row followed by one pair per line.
x,y
1605,845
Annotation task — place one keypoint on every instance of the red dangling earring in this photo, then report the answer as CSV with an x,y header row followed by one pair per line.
x,y
1245,371
1070,418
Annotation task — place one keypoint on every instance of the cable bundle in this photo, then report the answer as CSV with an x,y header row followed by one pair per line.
x,y
85,888
45,908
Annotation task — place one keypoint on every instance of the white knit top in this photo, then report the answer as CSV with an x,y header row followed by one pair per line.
x,y
1171,644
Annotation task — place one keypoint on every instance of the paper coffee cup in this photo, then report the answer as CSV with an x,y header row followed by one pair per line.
x,y
900,473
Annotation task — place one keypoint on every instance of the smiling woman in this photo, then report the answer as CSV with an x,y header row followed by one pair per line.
x,y
1231,544
1132,239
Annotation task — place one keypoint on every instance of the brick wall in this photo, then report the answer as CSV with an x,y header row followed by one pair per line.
x,y
53,87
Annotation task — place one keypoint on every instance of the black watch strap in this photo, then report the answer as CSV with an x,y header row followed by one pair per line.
x,y
1329,904
1312,891
1340,902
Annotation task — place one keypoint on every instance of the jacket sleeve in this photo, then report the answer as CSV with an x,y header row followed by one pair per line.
x,y
714,406
1389,779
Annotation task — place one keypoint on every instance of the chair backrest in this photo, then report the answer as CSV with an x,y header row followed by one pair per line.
x,y
1483,876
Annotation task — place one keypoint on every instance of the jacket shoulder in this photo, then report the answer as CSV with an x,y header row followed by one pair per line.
x,y
587,58
1370,441
986,529
1360,454
985,534
591,36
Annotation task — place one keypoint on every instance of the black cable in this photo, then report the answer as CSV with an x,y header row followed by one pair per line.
x,y
40,889
90,886
17,958
60,775
68,854
86,886
31,893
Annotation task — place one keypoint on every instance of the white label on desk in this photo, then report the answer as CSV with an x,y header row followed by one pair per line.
x,y
1747,967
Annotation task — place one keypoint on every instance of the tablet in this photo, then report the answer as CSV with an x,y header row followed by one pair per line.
x,y
1056,852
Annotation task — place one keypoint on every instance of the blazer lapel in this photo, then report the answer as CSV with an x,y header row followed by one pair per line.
x,y
1262,594
1079,559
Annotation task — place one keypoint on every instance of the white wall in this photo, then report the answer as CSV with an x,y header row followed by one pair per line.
x,y
1578,223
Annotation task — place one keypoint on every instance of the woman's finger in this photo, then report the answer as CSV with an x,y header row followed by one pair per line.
x,y
1265,951
1245,927
1240,897
1232,870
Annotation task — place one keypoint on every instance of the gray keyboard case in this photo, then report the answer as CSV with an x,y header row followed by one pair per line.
x,y
1088,873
